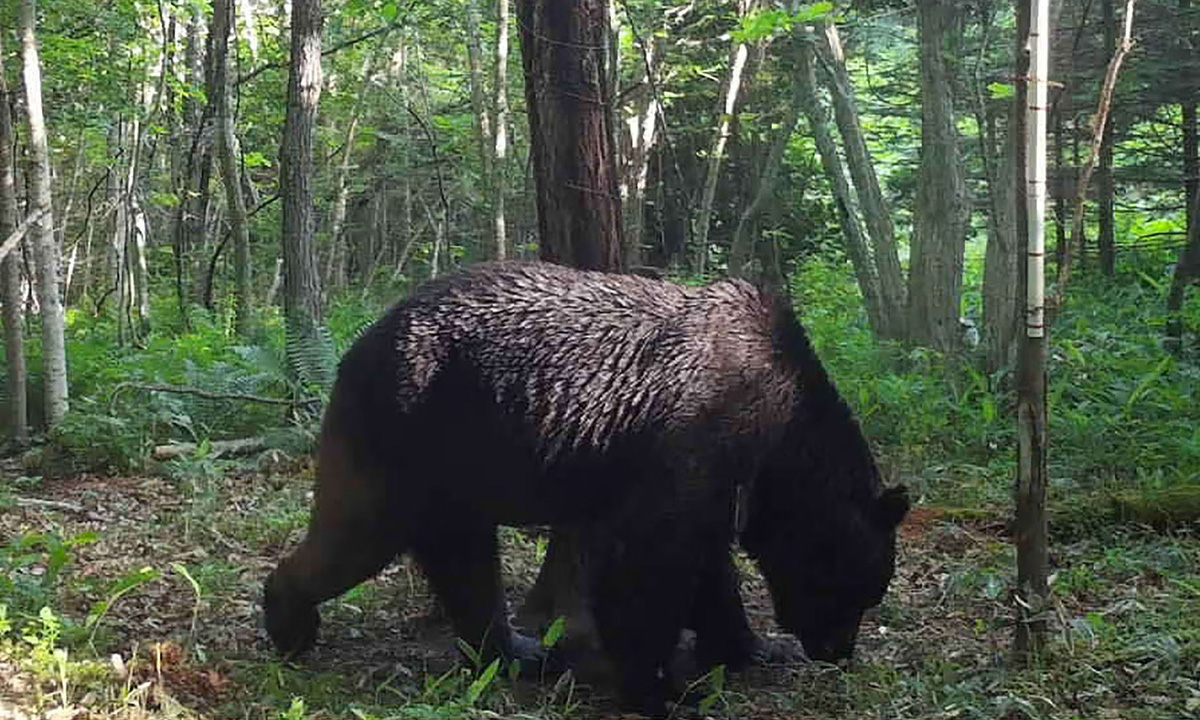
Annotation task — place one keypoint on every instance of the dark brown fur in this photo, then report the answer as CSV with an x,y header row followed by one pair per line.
x,y
625,409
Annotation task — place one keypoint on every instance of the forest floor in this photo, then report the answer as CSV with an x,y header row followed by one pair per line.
x,y
154,585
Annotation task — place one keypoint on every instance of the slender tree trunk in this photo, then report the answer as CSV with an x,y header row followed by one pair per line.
x,y
10,275
579,208
640,132
227,153
856,244
335,269
1106,239
500,132
301,283
738,54
54,355
1060,195
877,216
483,120
1001,275
1099,122
1187,268
743,246
942,211
1030,524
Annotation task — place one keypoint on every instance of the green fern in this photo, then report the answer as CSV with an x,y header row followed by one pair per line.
x,y
311,358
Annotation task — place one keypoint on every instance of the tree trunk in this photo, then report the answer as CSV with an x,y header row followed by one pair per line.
x,y
1030,531
484,137
10,275
1105,238
640,131
227,153
742,248
856,244
335,269
54,355
942,211
500,132
877,216
301,283
1001,276
738,54
569,104
1187,268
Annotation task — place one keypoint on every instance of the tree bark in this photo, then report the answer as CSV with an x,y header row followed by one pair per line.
x,y
738,54
1106,238
942,211
227,153
483,120
500,132
54,355
301,283
563,48
877,216
335,273
10,275
856,244
640,132
741,249
1187,268
1030,529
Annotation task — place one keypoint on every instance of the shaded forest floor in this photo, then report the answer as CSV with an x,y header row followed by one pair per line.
x,y
153,587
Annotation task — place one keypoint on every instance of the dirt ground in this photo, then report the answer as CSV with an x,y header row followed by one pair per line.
x,y
205,655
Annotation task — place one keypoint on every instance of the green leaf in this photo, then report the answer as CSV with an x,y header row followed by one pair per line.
x,y
1001,91
481,683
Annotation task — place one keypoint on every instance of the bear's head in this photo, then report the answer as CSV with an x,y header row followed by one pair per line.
x,y
822,529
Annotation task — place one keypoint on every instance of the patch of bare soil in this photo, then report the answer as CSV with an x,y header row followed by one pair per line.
x,y
209,654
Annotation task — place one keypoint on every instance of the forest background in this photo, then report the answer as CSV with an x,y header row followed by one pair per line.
x,y
193,234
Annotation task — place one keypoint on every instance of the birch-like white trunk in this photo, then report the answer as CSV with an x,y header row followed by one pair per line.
x,y
737,64
500,132
54,352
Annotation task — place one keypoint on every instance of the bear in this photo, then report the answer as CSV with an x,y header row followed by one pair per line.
x,y
657,423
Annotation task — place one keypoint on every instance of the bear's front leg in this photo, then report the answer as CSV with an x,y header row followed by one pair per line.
x,y
723,633
462,565
642,586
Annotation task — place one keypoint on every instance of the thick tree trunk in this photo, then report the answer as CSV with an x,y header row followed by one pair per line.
x,y
564,50
569,103
856,244
500,132
10,276
54,355
301,283
227,154
877,216
738,55
942,211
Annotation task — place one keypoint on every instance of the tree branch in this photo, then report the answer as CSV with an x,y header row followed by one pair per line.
x,y
1063,276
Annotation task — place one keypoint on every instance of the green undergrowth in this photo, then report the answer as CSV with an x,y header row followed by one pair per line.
x,y
1124,414
120,409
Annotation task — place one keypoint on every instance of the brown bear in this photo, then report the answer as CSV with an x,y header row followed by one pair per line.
x,y
655,422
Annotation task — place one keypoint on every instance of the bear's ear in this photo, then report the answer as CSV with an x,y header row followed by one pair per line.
x,y
891,506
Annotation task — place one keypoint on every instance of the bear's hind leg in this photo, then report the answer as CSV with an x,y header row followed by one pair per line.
x,y
463,567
